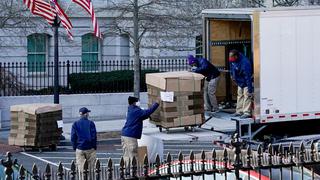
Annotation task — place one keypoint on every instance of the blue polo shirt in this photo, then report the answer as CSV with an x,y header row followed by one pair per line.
x,y
84,135
135,117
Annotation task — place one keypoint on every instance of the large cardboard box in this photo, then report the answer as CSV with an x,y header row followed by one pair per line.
x,y
176,81
187,107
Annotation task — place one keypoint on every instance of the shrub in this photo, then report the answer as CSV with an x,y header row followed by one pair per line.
x,y
114,81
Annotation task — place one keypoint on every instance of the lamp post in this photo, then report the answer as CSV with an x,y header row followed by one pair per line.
x,y
55,26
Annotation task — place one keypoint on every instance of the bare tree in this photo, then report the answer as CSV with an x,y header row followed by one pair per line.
x,y
285,3
14,16
161,19
13,13
9,83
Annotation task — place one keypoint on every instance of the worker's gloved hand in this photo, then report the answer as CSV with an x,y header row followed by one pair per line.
x,y
193,69
158,100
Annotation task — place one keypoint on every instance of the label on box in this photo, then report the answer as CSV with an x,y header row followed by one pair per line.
x,y
60,124
167,96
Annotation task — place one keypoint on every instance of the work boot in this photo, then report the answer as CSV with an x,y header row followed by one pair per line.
x,y
208,113
236,114
245,116
215,110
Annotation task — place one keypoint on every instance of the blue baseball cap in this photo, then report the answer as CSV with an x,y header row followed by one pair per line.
x,y
84,110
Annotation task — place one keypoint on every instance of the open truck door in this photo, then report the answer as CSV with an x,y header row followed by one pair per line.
x,y
283,44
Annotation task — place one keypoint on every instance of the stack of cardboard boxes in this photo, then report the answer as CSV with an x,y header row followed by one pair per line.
x,y
182,98
35,125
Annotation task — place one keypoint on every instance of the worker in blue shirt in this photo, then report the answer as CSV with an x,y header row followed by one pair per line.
x,y
241,73
132,129
212,74
84,140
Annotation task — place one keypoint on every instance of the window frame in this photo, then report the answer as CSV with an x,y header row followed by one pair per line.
x,y
96,53
45,53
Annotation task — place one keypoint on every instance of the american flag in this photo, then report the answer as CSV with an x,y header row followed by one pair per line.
x,y
65,21
88,6
41,8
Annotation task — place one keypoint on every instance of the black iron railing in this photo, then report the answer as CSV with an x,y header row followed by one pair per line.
x,y
21,78
280,163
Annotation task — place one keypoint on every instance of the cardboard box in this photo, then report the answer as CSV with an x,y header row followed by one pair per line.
x,y
187,107
188,120
176,81
35,125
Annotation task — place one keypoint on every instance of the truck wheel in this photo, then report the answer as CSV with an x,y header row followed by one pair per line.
x,y
186,128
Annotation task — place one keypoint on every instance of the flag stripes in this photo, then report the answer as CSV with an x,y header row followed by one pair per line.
x,y
88,6
65,21
41,8
49,12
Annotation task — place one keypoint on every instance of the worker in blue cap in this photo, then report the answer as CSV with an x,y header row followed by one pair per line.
x,y
84,140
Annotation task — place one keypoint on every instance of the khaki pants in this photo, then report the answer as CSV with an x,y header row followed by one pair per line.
x,y
130,149
81,156
210,100
244,102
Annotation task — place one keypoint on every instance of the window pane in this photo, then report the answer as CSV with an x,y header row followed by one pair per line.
x,y
199,50
85,43
94,47
31,44
40,43
89,43
90,62
36,63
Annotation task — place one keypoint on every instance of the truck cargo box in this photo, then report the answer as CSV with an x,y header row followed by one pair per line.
x,y
282,44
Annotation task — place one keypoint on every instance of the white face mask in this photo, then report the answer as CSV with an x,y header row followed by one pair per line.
x,y
138,104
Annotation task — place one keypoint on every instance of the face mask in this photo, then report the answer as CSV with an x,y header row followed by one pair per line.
x,y
232,59
138,104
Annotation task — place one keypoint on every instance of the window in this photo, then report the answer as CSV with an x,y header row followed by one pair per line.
x,y
37,52
199,46
90,52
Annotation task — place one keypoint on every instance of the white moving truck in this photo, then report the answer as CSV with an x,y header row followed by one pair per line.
x,y
283,44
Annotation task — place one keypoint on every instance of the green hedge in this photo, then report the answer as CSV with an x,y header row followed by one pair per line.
x,y
45,91
114,81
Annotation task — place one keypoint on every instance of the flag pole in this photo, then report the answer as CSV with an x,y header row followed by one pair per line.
x,y
55,26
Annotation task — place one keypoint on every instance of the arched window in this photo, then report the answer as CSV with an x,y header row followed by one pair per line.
x,y
90,52
37,52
